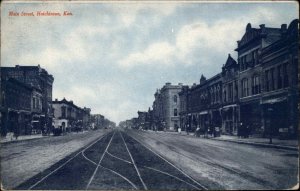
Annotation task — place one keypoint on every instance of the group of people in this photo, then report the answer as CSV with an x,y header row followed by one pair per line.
x,y
243,130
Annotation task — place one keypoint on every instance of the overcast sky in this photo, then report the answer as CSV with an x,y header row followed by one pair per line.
x,y
113,57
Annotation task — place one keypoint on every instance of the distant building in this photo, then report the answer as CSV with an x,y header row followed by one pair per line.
x,y
142,115
69,117
97,121
183,113
166,107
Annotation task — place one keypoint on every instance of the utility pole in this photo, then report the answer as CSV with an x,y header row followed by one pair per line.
x,y
270,113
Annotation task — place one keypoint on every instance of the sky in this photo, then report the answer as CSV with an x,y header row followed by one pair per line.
x,y
112,57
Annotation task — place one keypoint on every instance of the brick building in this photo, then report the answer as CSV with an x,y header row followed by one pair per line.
x,y
69,117
41,81
279,95
16,103
230,100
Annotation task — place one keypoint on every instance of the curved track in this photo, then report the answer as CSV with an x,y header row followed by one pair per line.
x,y
114,161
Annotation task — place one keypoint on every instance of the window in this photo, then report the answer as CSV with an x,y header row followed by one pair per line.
x,y
33,102
279,77
175,98
267,83
63,112
175,112
245,91
272,80
285,75
230,92
255,85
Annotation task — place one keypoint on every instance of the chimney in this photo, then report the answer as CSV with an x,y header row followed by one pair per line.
x,y
168,84
56,99
180,84
263,28
283,28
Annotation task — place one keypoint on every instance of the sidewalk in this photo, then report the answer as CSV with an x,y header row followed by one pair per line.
x,y
276,143
262,142
11,138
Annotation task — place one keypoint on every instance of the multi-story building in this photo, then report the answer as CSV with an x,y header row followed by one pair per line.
x,y
183,97
230,107
166,107
86,118
250,73
38,78
142,115
70,117
279,94
203,102
97,121
16,101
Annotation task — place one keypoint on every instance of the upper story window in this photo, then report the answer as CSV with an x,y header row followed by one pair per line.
x,y
285,75
175,98
175,112
245,89
279,77
230,92
255,85
63,112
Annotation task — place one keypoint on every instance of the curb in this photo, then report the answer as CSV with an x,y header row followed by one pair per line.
x,y
259,144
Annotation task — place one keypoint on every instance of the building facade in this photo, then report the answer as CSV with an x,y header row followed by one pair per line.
x,y
17,112
69,117
279,97
166,107
41,81
230,99
97,121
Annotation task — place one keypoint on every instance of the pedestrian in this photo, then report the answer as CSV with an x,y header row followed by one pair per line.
x,y
247,131
16,131
197,133
239,130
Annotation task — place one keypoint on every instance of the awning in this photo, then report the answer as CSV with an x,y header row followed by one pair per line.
x,y
275,100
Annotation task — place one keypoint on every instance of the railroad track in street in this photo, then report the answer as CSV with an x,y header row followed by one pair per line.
x,y
115,161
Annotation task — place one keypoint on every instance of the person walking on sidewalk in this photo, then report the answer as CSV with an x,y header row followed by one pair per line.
x,y
239,130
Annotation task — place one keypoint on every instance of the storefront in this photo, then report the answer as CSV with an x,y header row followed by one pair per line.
x,y
230,119
251,117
